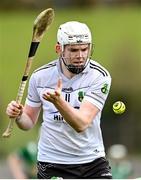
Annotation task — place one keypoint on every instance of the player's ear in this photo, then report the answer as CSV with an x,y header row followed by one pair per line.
x,y
58,48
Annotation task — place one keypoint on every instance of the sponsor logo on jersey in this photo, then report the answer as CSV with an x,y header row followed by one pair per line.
x,y
81,95
67,90
105,88
58,118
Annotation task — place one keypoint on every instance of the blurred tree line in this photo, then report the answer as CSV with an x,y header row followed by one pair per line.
x,y
38,4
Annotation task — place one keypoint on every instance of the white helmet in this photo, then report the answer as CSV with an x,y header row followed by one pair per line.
x,y
74,32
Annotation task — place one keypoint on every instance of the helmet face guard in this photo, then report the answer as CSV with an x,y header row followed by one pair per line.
x,y
74,68
74,33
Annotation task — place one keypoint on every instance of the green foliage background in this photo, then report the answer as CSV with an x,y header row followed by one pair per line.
x,y
117,42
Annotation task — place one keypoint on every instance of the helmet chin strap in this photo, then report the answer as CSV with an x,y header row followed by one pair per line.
x,y
73,68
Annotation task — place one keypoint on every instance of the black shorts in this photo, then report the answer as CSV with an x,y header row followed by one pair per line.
x,y
97,169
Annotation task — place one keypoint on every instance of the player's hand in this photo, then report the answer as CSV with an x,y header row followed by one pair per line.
x,y
14,109
54,96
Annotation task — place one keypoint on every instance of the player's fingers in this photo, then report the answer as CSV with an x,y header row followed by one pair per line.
x,y
20,106
15,104
59,83
48,97
12,113
45,96
59,87
13,108
52,96
58,92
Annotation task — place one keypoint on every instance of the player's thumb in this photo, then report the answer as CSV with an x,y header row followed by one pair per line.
x,y
59,86
59,83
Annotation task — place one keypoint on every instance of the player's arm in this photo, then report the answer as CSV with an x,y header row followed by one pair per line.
x,y
26,117
32,107
79,119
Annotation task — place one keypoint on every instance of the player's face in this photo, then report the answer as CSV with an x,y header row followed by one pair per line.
x,y
76,54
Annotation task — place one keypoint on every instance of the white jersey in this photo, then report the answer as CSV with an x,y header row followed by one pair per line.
x,y
59,142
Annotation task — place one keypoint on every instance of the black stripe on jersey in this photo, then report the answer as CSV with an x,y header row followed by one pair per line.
x,y
101,97
100,69
45,67
95,99
81,88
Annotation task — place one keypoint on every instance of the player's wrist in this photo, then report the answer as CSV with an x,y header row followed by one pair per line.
x,y
19,116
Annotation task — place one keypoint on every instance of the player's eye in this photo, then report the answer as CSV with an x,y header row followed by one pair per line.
x,y
73,50
85,49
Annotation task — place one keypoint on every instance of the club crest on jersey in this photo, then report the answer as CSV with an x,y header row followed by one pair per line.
x,y
105,88
81,95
